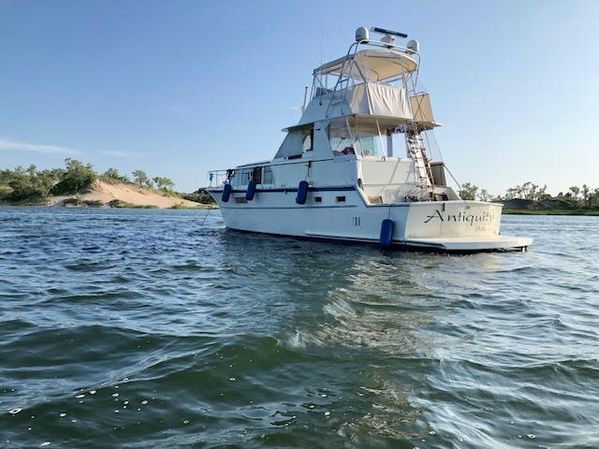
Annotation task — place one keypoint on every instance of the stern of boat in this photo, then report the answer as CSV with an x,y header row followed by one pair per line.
x,y
459,226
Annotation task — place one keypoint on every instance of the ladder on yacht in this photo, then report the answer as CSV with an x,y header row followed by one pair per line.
x,y
417,152
340,90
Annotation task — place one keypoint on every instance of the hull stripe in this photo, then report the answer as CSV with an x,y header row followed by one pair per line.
x,y
248,207
292,189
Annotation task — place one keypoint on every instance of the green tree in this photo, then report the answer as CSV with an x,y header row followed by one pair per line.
x,y
543,195
141,178
164,183
32,171
113,173
586,195
484,195
574,192
76,178
44,182
468,191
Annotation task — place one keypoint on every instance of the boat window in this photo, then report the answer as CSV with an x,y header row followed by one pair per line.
x,y
242,177
340,138
318,199
291,146
257,175
363,139
340,199
308,139
240,199
369,142
267,176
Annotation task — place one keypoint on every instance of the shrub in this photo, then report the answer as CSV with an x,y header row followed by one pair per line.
x,y
164,183
142,179
199,196
5,191
113,174
77,178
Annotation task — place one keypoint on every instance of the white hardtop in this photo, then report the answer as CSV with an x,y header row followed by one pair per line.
x,y
370,65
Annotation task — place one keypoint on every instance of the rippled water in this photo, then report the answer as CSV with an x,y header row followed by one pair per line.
x,y
132,328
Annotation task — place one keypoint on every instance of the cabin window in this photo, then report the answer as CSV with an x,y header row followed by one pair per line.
x,y
369,142
307,140
340,138
240,199
363,139
267,176
318,199
292,145
242,177
340,199
257,175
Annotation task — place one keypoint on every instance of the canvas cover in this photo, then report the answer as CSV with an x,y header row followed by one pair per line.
x,y
379,99
421,105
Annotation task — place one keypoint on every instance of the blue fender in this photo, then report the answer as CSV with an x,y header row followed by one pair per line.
x,y
386,238
251,191
226,193
302,192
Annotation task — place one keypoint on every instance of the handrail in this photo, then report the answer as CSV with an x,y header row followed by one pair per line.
x,y
217,178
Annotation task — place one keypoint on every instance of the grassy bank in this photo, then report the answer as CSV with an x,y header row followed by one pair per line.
x,y
589,212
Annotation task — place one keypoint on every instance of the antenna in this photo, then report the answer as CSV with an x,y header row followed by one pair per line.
x,y
388,32
305,97
321,43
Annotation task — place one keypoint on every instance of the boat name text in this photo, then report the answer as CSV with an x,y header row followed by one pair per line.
x,y
461,217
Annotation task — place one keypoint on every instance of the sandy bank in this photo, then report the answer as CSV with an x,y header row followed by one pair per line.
x,y
130,194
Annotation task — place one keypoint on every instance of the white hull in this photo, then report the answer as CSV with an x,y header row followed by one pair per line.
x,y
459,226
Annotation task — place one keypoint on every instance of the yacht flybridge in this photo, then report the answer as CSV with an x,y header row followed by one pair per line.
x,y
340,175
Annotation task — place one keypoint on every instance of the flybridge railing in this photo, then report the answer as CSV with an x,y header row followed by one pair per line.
x,y
217,178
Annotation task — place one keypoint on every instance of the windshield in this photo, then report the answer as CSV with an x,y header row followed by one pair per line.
x,y
361,140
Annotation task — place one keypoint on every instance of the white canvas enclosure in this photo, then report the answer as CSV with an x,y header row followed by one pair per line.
x,y
380,100
421,106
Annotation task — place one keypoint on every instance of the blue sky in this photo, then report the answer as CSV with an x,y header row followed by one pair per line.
x,y
181,87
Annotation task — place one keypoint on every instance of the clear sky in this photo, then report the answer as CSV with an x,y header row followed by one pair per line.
x,y
181,87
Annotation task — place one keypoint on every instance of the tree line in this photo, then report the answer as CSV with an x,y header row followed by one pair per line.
x,y
576,197
76,177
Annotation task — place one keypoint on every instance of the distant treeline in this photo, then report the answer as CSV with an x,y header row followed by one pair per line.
x,y
575,198
32,185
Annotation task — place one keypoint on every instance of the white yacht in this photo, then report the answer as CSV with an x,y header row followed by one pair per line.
x,y
357,166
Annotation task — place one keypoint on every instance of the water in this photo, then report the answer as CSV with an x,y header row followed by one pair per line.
x,y
137,329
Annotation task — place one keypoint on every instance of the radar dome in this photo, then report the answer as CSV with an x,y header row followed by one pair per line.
x,y
362,34
414,45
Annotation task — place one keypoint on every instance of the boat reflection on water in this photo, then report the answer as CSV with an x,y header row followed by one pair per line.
x,y
361,331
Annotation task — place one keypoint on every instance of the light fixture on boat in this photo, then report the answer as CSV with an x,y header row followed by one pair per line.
x,y
362,34
413,46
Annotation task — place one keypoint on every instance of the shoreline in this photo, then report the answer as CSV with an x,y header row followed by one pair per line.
x,y
568,212
202,206
119,205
